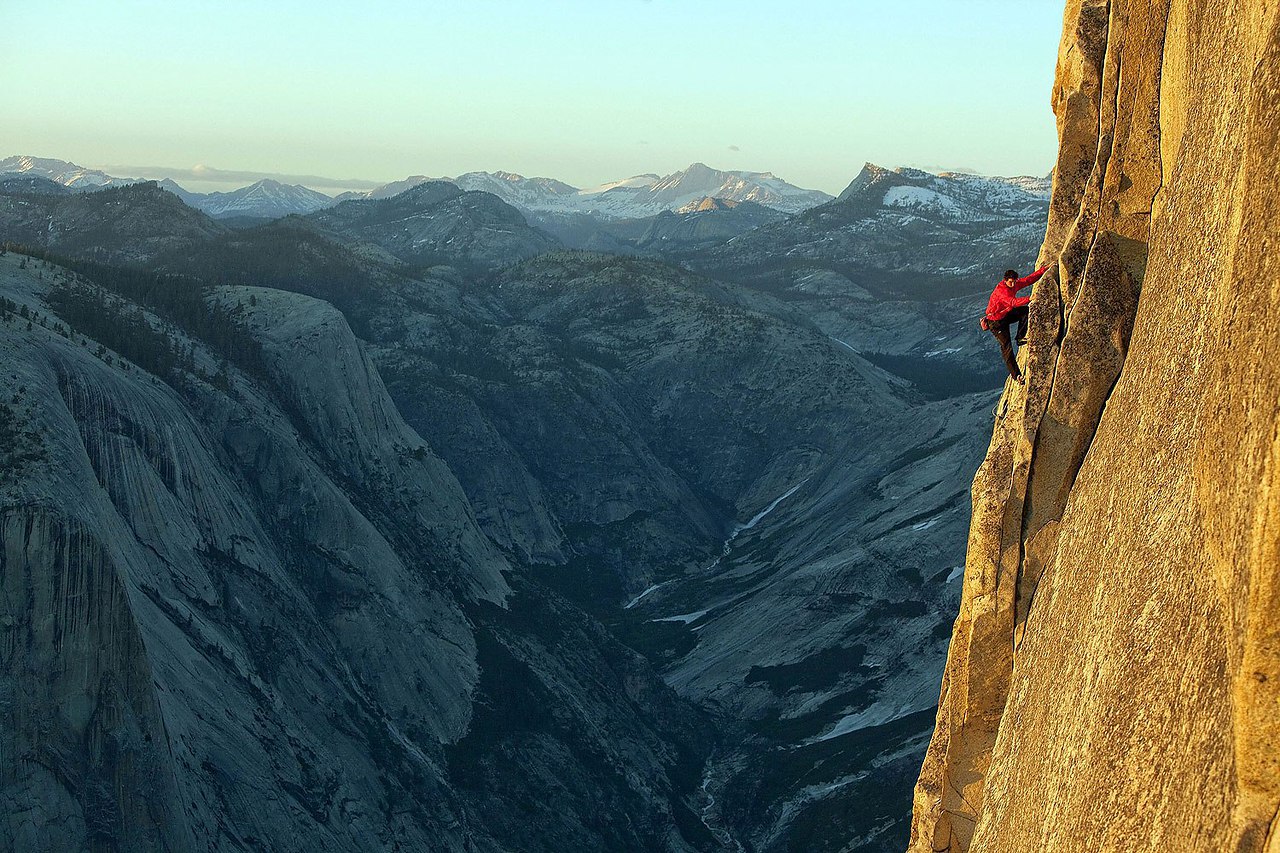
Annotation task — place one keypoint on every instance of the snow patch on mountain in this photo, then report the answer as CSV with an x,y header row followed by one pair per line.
x,y
683,618
707,203
266,198
62,172
695,183
949,196
919,197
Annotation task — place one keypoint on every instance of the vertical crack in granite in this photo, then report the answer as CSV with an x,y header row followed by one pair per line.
x,y
68,641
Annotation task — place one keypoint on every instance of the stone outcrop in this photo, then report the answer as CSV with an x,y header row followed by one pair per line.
x,y
1114,675
194,606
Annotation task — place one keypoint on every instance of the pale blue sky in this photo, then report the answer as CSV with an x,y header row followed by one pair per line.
x,y
582,90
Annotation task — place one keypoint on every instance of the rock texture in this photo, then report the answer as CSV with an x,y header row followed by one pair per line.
x,y
1114,675
614,421
254,610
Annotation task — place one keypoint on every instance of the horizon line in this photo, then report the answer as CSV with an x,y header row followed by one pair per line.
x,y
243,178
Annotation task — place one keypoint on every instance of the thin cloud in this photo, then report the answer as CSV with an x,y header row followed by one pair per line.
x,y
201,172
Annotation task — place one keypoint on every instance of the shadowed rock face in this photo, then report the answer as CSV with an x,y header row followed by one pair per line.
x,y
193,511
239,610
1114,675
610,424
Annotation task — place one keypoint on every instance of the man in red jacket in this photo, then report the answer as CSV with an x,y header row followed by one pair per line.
x,y
1004,308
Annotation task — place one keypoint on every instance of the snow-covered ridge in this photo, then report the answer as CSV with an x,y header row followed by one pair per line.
x,y
266,198
636,182
62,172
950,196
919,197
636,198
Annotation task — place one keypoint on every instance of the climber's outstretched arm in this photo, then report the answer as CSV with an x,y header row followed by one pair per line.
x,y
1029,280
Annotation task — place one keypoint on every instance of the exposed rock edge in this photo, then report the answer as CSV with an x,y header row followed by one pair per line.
x,y
1113,681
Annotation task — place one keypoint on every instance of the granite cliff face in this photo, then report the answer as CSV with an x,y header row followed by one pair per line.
x,y
245,606
1113,681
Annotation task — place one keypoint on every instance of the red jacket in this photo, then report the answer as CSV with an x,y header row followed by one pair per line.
x,y
1005,297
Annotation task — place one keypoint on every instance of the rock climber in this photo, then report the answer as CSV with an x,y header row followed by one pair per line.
x,y
1004,308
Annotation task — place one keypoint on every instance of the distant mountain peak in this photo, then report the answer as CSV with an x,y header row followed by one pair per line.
x,y
710,203
61,171
514,188
431,191
949,196
263,199
632,183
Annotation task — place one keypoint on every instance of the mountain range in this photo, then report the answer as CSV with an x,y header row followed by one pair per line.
x,y
632,198
644,195
264,199
696,209
451,509
60,172
640,196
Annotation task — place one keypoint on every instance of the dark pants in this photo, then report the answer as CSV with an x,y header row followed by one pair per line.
x,y
1000,329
